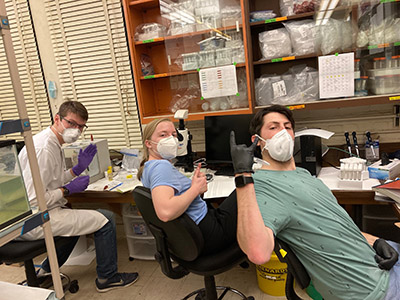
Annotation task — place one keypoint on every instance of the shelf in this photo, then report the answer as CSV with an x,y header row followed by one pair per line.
x,y
200,115
144,3
163,75
184,35
344,102
386,45
281,19
280,59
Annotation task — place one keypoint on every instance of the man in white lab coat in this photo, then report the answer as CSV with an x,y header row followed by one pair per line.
x,y
68,125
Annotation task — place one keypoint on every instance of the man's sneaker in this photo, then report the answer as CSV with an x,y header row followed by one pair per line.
x,y
117,281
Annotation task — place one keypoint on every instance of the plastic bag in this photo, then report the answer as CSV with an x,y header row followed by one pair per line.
x,y
306,82
263,90
286,7
298,85
302,36
275,43
303,6
262,15
329,37
347,36
131,159
145,63
149,31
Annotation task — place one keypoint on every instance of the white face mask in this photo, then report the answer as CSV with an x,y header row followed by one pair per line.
x,y
167,147
280,146
70,135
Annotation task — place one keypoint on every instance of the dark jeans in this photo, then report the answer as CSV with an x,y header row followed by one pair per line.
x,y
219,225
105,241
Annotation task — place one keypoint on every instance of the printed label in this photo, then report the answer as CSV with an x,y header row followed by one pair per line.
x,y
279,89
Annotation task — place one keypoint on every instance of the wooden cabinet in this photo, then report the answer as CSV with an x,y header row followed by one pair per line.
x,y
189,36
179,39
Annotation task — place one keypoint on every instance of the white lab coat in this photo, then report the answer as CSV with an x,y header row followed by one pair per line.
x,y
64,221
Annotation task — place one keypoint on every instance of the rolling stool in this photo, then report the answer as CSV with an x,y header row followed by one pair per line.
x,y
26,251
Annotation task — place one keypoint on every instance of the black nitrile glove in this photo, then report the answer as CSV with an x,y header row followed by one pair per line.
x,y
242,156
386,256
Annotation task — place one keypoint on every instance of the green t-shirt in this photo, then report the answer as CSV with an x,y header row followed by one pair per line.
x,y
303,212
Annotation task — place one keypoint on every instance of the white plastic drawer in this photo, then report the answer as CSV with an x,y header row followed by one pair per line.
x,y
135,226
141,248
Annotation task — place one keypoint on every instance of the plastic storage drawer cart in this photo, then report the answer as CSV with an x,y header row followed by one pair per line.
x,y
141,243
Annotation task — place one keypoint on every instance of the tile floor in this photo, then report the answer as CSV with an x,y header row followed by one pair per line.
x,y
151,285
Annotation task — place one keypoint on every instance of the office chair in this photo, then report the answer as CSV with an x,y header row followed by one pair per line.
x,y
26,251
181,239
296,270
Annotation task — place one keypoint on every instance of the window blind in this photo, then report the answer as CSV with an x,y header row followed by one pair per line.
x,y
29,69
92,57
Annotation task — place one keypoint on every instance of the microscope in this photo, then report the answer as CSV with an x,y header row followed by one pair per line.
x,y
185,155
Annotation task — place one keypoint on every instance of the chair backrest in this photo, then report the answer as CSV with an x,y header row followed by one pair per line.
x,y
183,237
296,269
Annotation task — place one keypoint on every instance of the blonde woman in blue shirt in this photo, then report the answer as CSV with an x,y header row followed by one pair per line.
x,y
174,194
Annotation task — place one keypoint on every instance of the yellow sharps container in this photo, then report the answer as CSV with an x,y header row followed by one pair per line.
x,y
271,276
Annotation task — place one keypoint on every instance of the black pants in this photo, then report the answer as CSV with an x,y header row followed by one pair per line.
x,y
219,225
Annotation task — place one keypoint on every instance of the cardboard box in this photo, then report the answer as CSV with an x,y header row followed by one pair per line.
x,y
389,171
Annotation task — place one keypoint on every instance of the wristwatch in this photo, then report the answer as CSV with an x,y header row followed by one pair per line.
x,y
241,181
66,191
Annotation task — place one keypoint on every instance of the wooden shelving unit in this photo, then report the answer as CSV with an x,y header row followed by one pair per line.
x,y
154,92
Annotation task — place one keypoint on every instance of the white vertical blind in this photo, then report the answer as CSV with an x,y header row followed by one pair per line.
x,y
29,69
92,57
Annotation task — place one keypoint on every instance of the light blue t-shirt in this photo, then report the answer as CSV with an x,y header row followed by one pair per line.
x,y
161,172
301,210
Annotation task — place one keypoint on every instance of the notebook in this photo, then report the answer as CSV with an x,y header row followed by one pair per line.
x,y
390,189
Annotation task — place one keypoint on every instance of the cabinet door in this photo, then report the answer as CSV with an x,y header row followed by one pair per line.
x,y
177,41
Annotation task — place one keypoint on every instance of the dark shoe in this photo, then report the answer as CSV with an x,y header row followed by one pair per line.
x,y
117,281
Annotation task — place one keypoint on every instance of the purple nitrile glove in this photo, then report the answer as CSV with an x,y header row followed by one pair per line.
x,y
79,184
85,157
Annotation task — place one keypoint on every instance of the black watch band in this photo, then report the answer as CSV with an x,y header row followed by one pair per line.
x,y
66,191
242,180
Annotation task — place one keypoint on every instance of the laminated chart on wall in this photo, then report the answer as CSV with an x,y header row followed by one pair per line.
x,y
336,75
218,82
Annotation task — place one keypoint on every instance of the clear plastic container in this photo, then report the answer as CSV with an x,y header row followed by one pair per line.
x,y
394,61
230,15
357,64
207,59
190,61
223,56
384,81
238,55
379,62
142,247
130,210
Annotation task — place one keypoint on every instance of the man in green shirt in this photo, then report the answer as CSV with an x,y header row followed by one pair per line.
x,y
289,203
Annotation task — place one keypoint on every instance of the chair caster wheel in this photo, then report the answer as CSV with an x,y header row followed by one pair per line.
x,y
74,287
131,258
250,298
